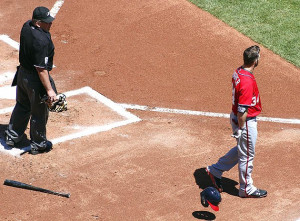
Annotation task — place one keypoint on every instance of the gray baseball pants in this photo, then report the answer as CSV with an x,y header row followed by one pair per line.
x,y
242,154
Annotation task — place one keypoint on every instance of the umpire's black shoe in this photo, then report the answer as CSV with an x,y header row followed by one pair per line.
x,y
35,150
9,141
215,181
257,194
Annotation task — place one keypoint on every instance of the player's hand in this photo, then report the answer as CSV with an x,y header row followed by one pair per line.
x,y
237,133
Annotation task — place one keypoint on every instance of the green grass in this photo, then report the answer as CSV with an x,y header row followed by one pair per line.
x,y
275,24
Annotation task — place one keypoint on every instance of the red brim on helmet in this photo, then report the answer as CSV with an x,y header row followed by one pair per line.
x,y
215,208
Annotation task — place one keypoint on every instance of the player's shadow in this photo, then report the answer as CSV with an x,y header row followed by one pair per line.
x,y
205,215
203,181
23,144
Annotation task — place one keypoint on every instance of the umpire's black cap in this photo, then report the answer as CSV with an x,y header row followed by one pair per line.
x,y
43,14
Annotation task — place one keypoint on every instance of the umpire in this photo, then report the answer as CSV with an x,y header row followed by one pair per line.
x,y
33,82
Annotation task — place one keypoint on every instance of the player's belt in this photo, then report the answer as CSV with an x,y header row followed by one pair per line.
x,y
247,119
250,118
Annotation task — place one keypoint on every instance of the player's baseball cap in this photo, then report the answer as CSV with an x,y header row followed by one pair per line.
x,y
43,14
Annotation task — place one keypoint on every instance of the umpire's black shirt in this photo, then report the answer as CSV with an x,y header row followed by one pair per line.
x,y
36,48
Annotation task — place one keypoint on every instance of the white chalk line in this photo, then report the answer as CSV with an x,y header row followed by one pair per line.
x,y
207,114
8,92
92,130
6,39
6,110
6,76
56,7
129,118
114,106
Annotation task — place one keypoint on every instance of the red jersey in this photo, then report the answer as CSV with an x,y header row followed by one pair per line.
x,y
245,92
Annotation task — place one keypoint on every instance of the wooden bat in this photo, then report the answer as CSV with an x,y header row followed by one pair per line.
x,y
30,187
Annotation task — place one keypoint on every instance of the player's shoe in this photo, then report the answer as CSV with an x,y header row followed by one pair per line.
x,y
257,194
35,150
217,183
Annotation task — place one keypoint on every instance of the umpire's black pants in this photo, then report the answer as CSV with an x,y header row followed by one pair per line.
x,y
28,106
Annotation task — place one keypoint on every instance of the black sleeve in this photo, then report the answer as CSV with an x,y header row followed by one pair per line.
x,y
40,54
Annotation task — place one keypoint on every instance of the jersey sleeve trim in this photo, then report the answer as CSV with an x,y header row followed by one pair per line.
x,y
37,66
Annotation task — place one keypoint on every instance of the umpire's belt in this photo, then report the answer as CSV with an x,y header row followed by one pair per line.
x,y
27,71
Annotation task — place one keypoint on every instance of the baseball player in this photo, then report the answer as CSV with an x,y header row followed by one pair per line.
x,y
33,82
246,105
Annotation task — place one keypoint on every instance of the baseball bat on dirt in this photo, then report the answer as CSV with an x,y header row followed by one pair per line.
x,y
30,187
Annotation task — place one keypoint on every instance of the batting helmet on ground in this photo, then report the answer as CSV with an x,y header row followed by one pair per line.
x,y
210,196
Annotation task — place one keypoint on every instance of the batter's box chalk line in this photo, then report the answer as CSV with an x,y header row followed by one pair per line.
x,y
129,118
206,114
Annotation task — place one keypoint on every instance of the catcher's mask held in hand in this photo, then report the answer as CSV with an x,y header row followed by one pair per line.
x,y
58,105
210,196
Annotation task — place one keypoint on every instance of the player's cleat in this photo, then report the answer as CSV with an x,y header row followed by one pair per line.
x,y
215,181
35,150
257,194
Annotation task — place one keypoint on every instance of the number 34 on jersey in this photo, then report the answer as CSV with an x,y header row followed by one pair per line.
x,y
245,92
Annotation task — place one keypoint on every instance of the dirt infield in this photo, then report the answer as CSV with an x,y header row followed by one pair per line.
x,y
157,53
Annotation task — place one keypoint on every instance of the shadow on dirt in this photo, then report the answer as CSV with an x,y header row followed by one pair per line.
x,y
204,215
203,181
